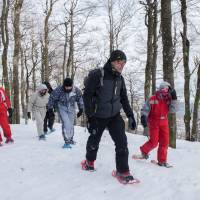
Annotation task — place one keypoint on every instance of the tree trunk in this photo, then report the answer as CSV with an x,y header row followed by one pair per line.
x,y
186,50
23,85
168,71
196,108
65,51
155,46
46,43
149,24
5,42
16,58
70,60
111,31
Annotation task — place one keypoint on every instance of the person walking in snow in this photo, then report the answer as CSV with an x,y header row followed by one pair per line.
x,y
50,116
104,96
38,106
64,98
154,114
5,107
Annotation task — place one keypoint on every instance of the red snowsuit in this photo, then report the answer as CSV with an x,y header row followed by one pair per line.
x,y
4,105
158,108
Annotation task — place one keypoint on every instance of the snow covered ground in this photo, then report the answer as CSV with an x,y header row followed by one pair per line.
x,y
34,170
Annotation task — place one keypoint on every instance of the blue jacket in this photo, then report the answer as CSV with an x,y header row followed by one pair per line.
x,y
62,98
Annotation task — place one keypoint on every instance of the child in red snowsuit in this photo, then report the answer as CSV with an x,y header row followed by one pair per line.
x,y
4,108
155,114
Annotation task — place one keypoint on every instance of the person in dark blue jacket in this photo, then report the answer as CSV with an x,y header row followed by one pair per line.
x,y
64,98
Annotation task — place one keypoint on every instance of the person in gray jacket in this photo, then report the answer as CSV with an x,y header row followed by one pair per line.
x,y
64,99
38,106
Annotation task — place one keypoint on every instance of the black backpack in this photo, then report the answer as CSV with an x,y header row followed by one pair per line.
x,y
101,70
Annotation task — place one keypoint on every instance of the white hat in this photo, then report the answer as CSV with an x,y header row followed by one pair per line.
x,y
164,84
41,87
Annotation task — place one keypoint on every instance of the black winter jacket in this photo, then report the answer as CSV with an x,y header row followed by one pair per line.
x,y
105,101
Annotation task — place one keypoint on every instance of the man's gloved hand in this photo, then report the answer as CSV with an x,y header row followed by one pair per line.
x,y
80,112
173,93
92,125
29,115
143,121
10,111
50,110
131,122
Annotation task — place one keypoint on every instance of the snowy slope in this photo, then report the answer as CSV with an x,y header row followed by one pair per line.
x,y
34,170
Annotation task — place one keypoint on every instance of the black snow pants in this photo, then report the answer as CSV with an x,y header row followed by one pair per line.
x,y
49,120
116,128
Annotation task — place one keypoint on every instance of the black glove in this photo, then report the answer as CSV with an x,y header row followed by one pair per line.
x,y
173,93
10,111
29,115
80,112
92,125
50,110
143,121
131,122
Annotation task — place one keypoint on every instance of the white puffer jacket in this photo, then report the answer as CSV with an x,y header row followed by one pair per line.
x,y
38,102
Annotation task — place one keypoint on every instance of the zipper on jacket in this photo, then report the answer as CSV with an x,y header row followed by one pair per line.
x,y
113,94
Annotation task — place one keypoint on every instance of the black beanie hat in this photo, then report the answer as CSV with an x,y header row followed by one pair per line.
x,y
117,55
68,82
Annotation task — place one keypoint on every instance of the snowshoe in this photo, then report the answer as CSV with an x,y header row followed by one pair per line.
x,y
87,165
142,156
125,178
163,164
67,146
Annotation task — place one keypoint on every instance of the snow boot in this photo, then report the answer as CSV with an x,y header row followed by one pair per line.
x,y
87,165
1,144
125,177
164,164
140,156
42,137
67,145
9,140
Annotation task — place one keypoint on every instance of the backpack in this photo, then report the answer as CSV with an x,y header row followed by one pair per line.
x,y
92,72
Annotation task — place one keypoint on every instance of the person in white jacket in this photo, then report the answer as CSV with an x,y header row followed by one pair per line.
x,y
38,106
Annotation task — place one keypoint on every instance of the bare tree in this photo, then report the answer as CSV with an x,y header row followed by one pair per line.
x,y
196,104
186,50
111,25
119,15
65,49
155,45
151,63
168,52
5,42
48,12
70,60
16,57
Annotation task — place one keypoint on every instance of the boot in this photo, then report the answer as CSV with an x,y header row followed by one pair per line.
x,y
125,177
9,140
87,165
42,137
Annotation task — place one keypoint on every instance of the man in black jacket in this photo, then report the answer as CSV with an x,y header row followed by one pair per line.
x,y
103,102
